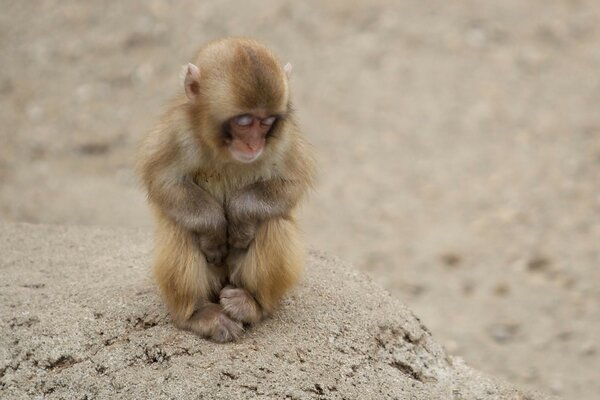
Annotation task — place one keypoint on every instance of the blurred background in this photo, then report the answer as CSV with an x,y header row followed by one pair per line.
x,y
458,143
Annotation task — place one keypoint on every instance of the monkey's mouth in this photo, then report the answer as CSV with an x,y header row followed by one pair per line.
x,y
246,151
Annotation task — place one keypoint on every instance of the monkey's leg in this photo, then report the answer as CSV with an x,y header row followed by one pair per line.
x,y
188,284
262,274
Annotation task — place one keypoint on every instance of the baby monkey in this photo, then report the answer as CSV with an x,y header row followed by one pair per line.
x,y
224,170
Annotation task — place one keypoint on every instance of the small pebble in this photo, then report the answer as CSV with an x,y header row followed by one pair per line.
x,y
538,264
504,332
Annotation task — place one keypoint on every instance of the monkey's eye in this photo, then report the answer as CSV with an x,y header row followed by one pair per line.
x,y
268,121
243,120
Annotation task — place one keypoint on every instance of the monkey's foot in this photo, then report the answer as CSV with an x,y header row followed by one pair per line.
x,y
210,322
240,305
226,330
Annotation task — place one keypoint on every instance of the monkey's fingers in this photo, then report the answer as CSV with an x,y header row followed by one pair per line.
x,y
241,235
215,255
211,245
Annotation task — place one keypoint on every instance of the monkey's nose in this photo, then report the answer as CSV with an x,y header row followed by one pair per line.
x,y
254,141
252,146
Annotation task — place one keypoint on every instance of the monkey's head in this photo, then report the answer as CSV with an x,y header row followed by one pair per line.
x,y
239,99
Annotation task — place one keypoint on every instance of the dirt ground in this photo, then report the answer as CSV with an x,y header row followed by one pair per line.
x,y
458,142
125,347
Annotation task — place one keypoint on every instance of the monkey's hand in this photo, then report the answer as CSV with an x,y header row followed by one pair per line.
x,y
211,238
214,248
241,234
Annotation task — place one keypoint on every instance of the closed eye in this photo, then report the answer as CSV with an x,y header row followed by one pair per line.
x,y
268,121
243,120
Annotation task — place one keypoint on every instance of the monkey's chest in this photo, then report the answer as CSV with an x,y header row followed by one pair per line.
x,y
220,185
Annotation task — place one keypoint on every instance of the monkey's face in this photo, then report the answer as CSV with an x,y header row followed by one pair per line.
x,y
239,98
246,135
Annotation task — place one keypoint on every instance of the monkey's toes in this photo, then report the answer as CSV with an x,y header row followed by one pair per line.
x,y
240,305
226,329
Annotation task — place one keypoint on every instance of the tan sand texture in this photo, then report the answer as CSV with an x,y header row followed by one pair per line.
x,y
82,319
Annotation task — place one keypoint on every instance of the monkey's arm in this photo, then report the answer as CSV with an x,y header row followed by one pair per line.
x,y
258,202
192,207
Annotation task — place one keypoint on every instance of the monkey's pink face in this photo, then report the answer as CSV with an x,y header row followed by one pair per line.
x,y
247,136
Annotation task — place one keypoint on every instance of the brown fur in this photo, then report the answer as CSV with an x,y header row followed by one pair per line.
x,y
221,222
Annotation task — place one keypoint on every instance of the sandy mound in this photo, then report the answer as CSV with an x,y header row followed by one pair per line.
x,y
81,319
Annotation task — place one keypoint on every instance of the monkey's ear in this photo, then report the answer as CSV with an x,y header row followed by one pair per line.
x,y
287,68
192,82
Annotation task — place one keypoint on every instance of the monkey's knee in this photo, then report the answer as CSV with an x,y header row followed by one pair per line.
x,y
271,265
183,276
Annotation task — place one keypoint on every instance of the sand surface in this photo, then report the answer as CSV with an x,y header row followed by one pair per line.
x,y
458,142
81,319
